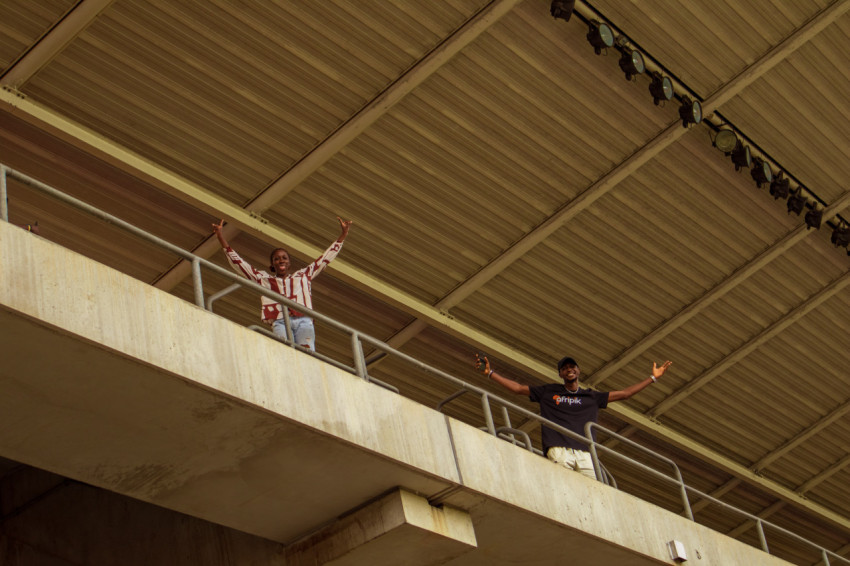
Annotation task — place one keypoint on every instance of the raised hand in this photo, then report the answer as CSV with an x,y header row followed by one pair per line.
x,y
482,364
217,231
344,225
659,371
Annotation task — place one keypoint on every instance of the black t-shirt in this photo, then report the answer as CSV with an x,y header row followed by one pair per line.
x,y
570,410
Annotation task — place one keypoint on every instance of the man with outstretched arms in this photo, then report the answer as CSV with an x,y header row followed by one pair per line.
x,y
570,406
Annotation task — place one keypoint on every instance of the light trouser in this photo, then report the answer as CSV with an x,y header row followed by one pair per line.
x,y
572,458
303,330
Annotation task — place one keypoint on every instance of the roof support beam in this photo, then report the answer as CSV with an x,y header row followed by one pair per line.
x,y
53,42
379,106
356,125
721,289
638,159
635,161
746,349
778,452
804,488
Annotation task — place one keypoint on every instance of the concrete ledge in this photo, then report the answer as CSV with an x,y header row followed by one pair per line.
x,y
588,510
392,530
112,382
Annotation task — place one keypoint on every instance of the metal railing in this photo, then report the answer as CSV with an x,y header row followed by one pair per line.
x,y
359,368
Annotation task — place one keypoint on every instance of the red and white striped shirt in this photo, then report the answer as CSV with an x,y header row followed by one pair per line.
x,y
297,286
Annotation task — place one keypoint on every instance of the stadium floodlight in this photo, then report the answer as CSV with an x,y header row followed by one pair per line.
x,y
796,201
741,156
631,62
562,9
780,187
726,141
841,235
761,171
690,111
814,216
600,36
661,88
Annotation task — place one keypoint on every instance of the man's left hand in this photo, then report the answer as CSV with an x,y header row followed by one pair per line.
x,y
659,371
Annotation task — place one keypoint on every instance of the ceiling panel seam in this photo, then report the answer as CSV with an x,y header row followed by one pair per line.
x,y
53,42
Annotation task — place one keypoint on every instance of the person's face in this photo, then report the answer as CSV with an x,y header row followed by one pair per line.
x,y
569,373
280,262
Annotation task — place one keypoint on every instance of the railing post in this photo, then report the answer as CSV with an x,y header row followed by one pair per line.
x,y
685,502
825,557
359,358
287,323
594,453
216,296
762,539
507,419
488,414
196,281
4,199
597,465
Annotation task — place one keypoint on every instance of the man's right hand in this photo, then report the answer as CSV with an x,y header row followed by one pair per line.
x,y
217,231
482,364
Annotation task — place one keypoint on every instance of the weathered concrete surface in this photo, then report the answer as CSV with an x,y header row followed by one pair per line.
x,y
111,382
587,512
398,525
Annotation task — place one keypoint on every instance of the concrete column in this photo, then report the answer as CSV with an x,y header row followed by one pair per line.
x,y
393,530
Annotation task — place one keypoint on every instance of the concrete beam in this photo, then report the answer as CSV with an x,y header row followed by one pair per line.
x,y
379,106
751,345
392,530
804,488
743,273
53,42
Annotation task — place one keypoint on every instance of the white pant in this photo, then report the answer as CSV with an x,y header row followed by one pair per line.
x,y
576,460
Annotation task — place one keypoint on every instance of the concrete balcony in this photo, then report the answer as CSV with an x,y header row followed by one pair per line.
x,y
110,382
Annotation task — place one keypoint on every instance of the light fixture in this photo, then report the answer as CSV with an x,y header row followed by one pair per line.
x,y
631,62
661,88
796,201
600,36
761,171
780,187
814,216
690,111
726,141
741,156
562,9
841,235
